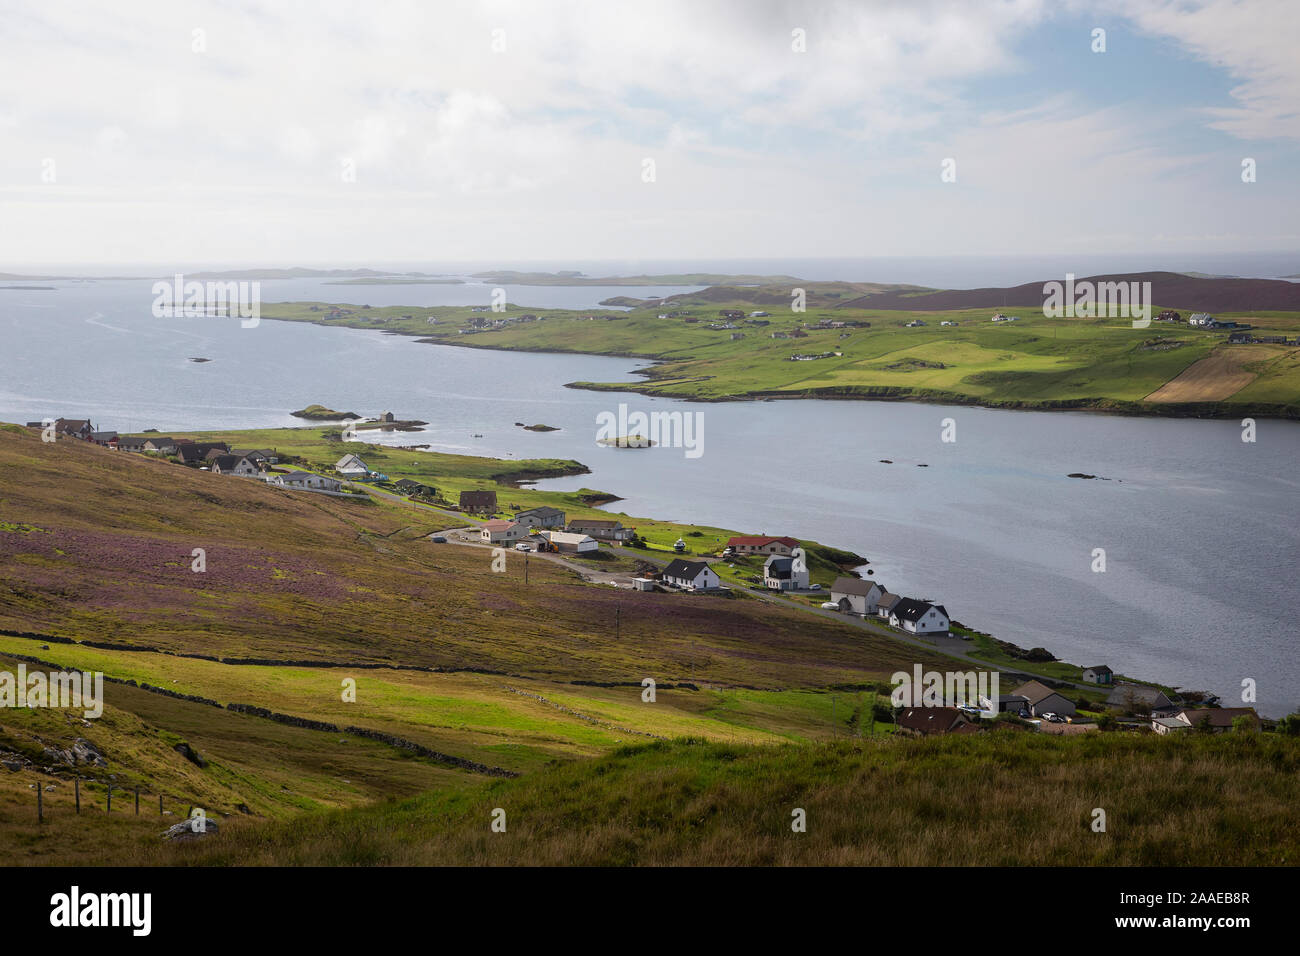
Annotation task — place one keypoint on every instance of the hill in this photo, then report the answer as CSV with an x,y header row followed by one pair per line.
x,y
1174,290
1003,799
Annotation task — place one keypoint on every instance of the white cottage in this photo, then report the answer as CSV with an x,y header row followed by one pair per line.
x,y
856,596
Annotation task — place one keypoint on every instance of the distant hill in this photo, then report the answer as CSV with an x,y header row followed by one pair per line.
x,y
1168,289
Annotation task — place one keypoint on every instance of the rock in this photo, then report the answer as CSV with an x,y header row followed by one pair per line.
x,y
12,765
83,751
184,830
190,754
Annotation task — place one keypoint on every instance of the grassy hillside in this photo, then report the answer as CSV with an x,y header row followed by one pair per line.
x,y
1003,799
474,691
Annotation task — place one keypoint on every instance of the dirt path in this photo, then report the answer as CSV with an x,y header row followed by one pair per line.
x,y
1215,377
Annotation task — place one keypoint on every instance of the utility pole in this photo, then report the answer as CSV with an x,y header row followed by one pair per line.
x,y
618,622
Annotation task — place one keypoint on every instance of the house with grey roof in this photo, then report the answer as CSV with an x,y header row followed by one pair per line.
x,y
856,596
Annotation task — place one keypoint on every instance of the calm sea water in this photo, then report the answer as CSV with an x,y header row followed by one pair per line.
x,y
1198,527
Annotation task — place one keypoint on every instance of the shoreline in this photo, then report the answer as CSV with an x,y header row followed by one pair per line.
x,y
1220,411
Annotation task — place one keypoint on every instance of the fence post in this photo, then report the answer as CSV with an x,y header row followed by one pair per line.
x,y
40,807
160,813
137,801
76,787
110,798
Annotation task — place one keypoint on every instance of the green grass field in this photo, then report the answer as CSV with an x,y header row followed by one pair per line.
x,y
1036,362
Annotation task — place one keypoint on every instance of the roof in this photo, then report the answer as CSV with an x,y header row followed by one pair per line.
x,y
1171,722
910,609
680,568
601,523
300,476
567,537
227,462
545,511
1099,667
1036,691
759,541
853,586
1139,694
1217,716
478,496
498,525
886,601
930,720
349,461
778,566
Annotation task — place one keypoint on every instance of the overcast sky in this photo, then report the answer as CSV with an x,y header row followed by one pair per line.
x,y
284,133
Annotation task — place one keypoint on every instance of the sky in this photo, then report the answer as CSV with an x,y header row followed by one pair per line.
x,y
286,133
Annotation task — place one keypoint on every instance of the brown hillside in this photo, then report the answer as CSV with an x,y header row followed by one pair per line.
x,y
1168,290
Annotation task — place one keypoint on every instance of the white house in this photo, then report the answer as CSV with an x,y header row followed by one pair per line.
x,y
543,517
502,532
855,596
234,465
690,575
781,574
350,466
1202,320
304,480
919,617
1098,674
570,541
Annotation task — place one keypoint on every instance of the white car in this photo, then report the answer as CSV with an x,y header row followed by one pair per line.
x,y
830,606
521,546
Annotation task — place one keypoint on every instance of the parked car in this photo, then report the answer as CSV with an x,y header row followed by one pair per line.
x,y
814,587
438,539
521,546
830,606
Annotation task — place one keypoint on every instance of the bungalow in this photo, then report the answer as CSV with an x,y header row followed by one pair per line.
x,y
502,532
924,721
1202,320
543,517
1218,719
690,575
885,604
478,502
304,480
919,617
234,465
197,452
1136,697
1169,315
131,444
106,439
160,445
1098,674
856,596
1043,700
780,574
606,530
754,544
574,543
351,466
1169,725
74,427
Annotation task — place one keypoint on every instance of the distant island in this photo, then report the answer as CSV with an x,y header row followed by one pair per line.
x,y
537,428
319,413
